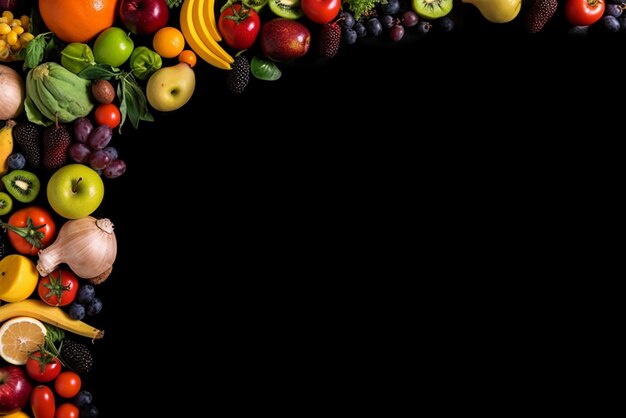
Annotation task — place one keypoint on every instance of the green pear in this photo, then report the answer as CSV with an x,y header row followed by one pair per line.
x,y
169,88
497,11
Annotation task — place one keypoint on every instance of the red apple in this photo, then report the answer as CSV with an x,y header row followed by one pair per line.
x,y
284,39
15,387
144,17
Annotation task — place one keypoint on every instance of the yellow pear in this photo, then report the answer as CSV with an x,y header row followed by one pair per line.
x,y
169,88
497,11
18,278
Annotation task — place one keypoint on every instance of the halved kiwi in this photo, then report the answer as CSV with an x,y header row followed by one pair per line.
x,y
22,185
6,203
432,9
257,5
289,9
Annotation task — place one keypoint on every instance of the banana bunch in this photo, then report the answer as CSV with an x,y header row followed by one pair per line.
x,y
199,26
6,145
52,315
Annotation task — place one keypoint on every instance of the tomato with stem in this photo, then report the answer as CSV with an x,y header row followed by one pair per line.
x,y
239,26
584,12
58,288
320,11
30,229
42,366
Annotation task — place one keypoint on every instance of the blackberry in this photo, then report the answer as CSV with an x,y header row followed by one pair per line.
x,y
76,356
3,250
540,12
27,137
329,40
239,76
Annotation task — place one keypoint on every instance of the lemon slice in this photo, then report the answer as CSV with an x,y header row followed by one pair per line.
x,y
19,337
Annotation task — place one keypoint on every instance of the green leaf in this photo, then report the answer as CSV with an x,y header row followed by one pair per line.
x,y
54,334
264,69
134,102
99,72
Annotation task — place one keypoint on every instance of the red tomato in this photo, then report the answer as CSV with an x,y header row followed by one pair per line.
x,y
320,11
67,384
30,229
67,410
239,26
43,368
58,288
108,114
42,402
584,12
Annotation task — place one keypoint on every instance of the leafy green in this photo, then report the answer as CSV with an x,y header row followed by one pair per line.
x,y
173,3
264,69
362,7
38,50
133,101
54,334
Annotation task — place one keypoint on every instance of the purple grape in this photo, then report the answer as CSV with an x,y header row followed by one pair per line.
x,y
114,169
79,152
410,18
396,33
112,152
100,137
82,129
99,159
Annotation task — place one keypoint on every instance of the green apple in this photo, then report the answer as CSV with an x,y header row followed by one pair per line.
x,y
75,191
169,88
113,46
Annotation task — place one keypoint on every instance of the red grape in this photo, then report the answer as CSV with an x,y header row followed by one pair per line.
x,y
79,152
114,169
100,137
82,129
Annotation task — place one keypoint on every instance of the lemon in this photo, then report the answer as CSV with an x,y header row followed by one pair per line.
x,y
18,278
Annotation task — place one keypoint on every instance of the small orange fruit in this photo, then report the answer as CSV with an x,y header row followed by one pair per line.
x,y
78,20
188,56
168,42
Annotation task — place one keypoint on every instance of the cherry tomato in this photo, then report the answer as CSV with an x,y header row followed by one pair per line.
x,y
67,410
320,11
67,384
584,12
42,402
43,367
239,26
108,114
30,229
58,288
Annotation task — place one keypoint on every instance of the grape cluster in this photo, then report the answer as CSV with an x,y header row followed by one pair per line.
x,y
392,19
91,147
86,303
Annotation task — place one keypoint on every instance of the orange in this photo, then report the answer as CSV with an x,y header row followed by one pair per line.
x,y
168,42
188,56
19,337
78,20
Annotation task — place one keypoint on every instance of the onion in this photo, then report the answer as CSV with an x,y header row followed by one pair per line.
x,y
87,245
12,93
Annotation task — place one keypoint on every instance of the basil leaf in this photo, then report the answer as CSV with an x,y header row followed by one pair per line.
x,y
264,69
99,71
135,102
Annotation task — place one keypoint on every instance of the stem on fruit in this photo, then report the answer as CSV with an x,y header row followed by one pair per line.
x,y
76,184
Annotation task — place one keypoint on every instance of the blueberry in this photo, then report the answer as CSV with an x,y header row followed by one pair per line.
x,y
89,411
77,310
610,23
445,24
83,398
85,294
349,36
387,21
360,30
346,20
94,307
423,27
613,10
374,27
392,7
16,161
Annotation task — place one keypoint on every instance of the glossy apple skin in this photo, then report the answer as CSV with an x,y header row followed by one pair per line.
x,y
284,39
72,199
15,388
144,17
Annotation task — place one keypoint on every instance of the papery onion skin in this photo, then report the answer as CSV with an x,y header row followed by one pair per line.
x,y
87,245
12,93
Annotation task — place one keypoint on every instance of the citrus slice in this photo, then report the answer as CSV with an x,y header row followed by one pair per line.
x,y
19,337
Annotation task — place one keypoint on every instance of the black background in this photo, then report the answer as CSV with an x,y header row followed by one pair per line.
x,y
224,196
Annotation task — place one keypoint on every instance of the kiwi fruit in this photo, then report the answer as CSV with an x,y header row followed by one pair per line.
x,y
23,185
289,9
432,9
6,203
257,5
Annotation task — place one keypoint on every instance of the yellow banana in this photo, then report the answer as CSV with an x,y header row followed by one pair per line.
x,y
207,12
192,38
6,145
205,33
52,315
